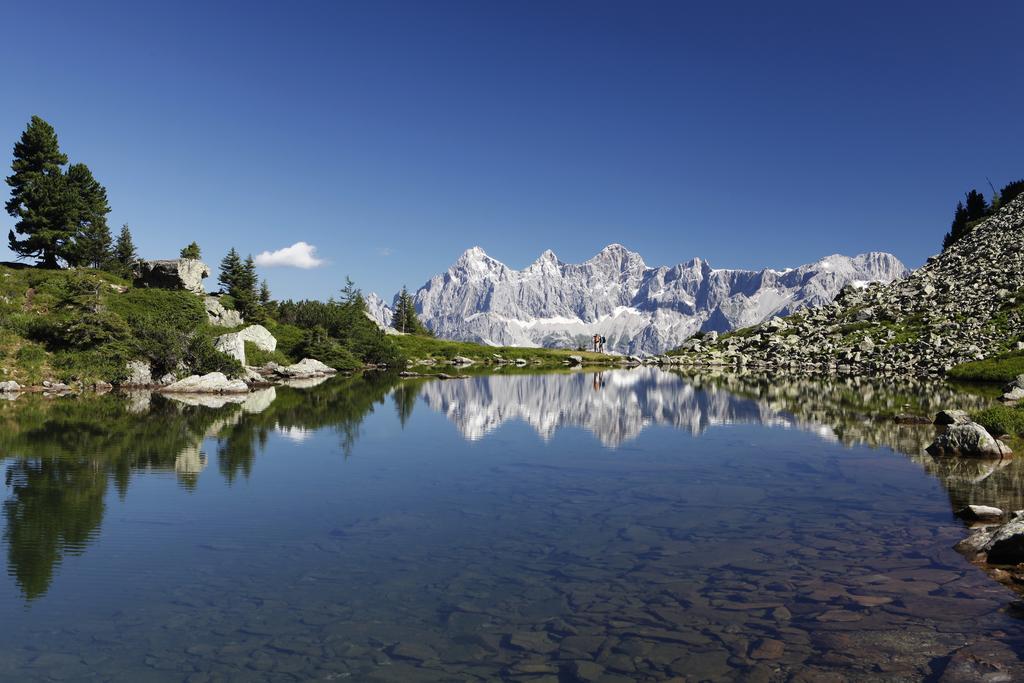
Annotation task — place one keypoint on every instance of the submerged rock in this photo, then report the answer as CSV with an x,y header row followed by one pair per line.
x,y
969,439
211,383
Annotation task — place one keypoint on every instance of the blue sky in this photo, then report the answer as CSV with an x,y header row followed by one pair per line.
x,y
392,136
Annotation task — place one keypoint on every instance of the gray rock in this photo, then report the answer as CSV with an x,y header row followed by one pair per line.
x,y
220,316
212,383
576,360
139,374
181,274
969,439
1007,544
462,360
231,344
9,387
979,512
306,368
952,417
260,336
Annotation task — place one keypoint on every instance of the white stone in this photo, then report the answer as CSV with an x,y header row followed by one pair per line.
x,y
212,383
260,336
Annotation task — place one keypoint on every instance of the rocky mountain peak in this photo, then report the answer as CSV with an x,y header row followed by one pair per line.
x,y
637,308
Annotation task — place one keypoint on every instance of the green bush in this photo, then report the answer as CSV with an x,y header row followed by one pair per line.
x,y
999,420
254,355
201,357
1001,368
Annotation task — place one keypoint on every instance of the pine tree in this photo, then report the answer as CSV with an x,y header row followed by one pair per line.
x,y
191,252
39,198
400,314
230,270
264,293
125,255
977,207
92,243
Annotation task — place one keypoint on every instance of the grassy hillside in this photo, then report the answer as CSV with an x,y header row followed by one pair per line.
x,y
84,325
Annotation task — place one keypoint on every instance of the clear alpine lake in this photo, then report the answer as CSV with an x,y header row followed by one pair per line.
x,y
625,525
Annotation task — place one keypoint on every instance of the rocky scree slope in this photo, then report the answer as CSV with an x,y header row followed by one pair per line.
x,y
965,304
639,309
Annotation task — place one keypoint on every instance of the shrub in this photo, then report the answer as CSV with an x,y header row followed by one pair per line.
x,y
254,355
201,357
1000,420
1001,368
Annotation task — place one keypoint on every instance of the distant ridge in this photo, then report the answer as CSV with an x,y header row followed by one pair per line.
x,y
638,309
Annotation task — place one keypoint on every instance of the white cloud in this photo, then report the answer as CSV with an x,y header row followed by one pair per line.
x,y
385,251
299,255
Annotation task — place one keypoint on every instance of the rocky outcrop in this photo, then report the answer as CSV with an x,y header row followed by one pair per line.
x,y
970,439
1014,391
211,383
259,336
639,309
966,304
307,368
9,387
220,316
233,343
139,374
184,274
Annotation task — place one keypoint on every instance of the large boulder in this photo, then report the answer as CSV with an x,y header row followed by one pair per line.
x,y
304,369
139,374
952,417
182,274
231,344
212,383
220,316
969,439
9,387
260,336
1006,545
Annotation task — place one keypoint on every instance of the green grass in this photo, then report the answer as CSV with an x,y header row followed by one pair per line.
x,y
999,420
1001,368
423,348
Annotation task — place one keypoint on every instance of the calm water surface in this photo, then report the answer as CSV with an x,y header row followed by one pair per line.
x,y
627,525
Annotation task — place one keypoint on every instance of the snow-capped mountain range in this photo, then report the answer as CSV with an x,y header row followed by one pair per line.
x,y
639,309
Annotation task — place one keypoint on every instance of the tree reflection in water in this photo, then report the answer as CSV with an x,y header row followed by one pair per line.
x,y
61,453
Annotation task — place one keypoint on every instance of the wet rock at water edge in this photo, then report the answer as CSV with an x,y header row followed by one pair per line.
x,y
139,374
909,419
211,383
979,513
9,387
969,439
952,417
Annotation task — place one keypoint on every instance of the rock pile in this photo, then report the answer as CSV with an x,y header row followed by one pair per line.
x,y
966,304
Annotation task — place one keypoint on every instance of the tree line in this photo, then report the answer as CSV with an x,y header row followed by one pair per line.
x,y
974,208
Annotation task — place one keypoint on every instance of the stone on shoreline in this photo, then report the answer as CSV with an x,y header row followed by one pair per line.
x,y
952,417
9,387
211,383
969,439
979,512
139,374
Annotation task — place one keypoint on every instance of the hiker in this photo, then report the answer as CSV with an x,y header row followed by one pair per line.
x,y
597,341
603,340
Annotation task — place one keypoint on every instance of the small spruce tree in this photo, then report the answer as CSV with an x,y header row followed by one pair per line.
x,y
230,271
125,256
92,246
191,252
264,293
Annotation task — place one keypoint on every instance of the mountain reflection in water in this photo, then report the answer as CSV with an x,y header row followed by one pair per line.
x,y
62,454
499,527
